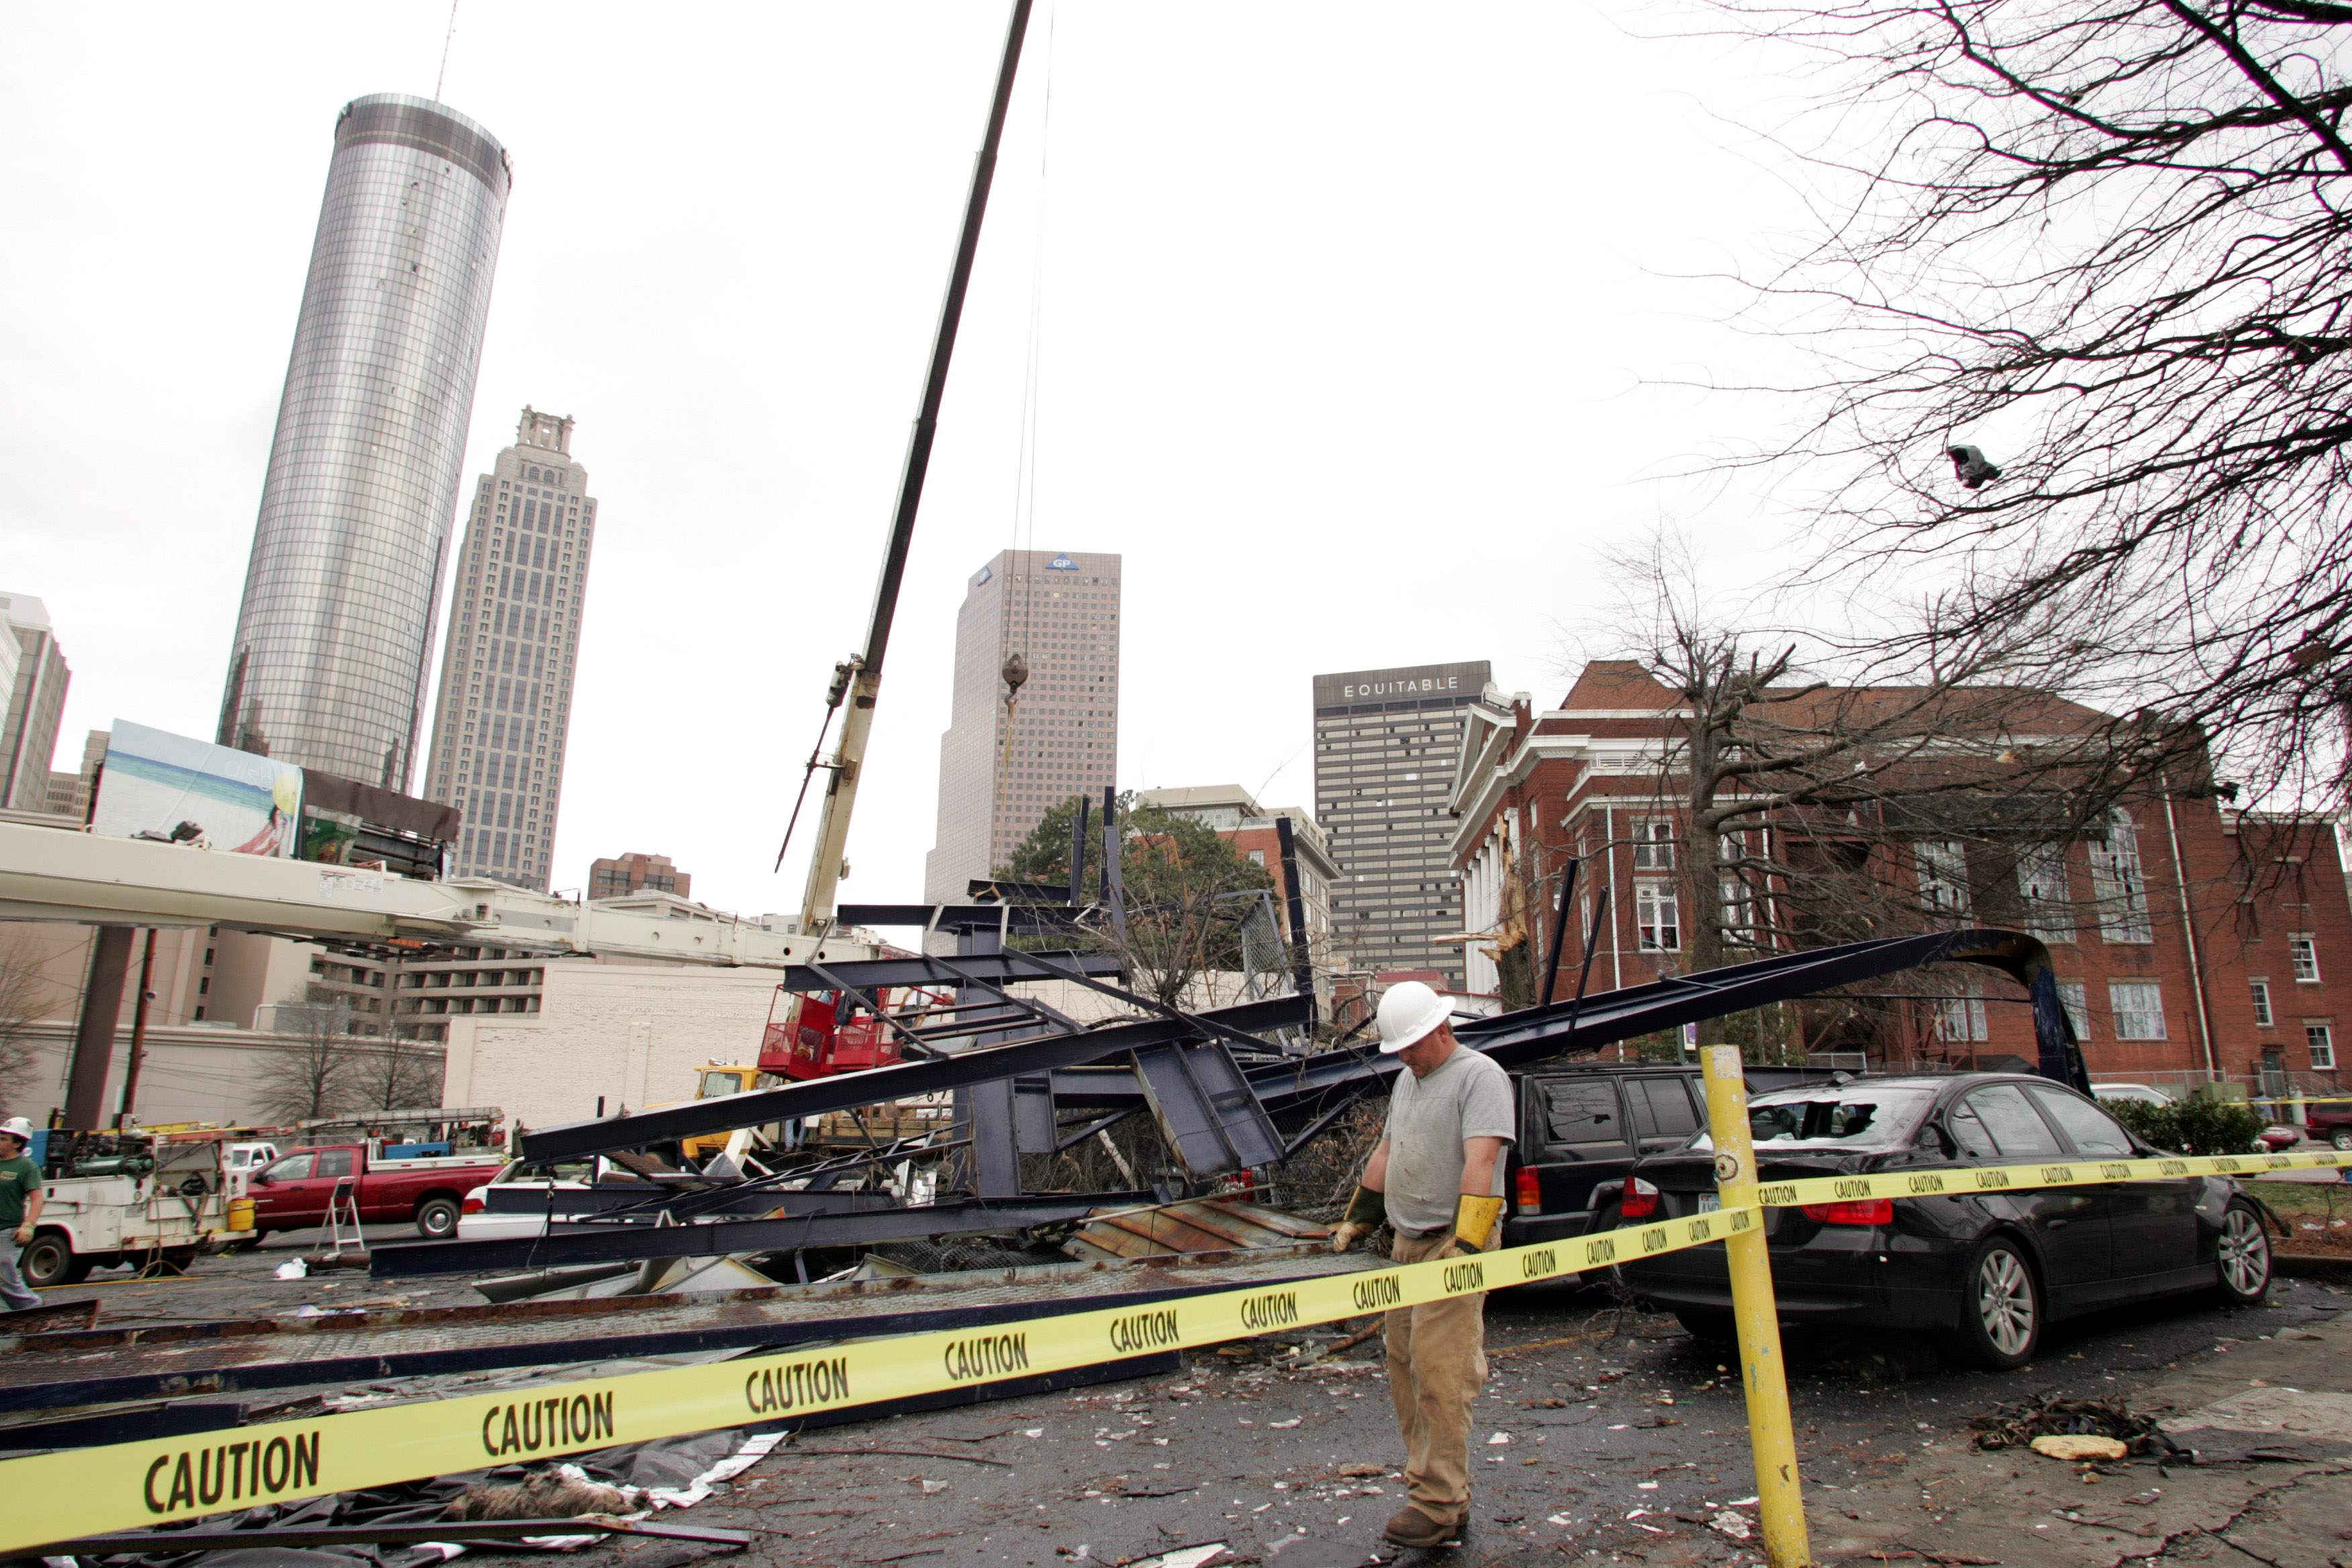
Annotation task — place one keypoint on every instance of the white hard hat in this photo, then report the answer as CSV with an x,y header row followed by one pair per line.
x,y
18,1126
1409,1010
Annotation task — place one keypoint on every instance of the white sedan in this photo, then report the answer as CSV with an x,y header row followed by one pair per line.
x,y
477,1221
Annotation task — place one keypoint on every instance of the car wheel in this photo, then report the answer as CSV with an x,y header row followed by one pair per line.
x,y
48,1260
436,1218
2341,1139
2244,1257
1714,1329
2000,1308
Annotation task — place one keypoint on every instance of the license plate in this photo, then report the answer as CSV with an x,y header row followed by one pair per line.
x,y
1709,1202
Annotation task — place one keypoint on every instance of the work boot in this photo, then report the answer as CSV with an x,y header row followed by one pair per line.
x,y
1410,1527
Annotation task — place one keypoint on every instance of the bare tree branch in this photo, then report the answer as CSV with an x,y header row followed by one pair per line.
x,y
2106,243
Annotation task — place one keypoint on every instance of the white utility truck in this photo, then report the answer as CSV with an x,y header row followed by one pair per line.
x,y
122,1198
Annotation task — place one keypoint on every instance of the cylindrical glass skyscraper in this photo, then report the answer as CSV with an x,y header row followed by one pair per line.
x,y
330,664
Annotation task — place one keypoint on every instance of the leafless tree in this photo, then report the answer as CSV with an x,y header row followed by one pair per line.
x,y
311,1074
2108,243
25,994
1180,919
394,1075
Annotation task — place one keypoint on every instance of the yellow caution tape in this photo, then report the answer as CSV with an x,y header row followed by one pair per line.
x,y
1962,1179
58,1497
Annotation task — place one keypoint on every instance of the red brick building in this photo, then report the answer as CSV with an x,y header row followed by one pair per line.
x,y
2191,940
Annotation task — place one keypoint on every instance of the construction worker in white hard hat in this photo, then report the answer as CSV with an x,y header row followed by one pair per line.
x,y
20,1211
1436,1179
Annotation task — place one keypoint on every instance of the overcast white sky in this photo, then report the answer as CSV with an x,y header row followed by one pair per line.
x,y
1349,312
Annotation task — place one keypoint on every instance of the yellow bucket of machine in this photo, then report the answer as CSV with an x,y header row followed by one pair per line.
x,y
240,1214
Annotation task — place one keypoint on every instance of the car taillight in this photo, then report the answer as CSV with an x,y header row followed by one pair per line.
x,y
1865,1211
472,1204
1529,1191
1640,1199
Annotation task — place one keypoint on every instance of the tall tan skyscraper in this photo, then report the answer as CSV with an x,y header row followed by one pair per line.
x,y
504,701
35,701
1059,610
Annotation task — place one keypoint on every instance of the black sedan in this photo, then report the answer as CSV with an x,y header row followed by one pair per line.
x,y
1986,1270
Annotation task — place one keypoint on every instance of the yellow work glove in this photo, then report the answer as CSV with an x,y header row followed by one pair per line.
x,y
1474,1221
24,1236
1366,1211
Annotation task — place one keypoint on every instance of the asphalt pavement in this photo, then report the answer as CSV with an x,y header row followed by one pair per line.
x,y
1604,1434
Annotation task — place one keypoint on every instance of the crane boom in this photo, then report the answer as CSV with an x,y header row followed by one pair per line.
x,y
865,671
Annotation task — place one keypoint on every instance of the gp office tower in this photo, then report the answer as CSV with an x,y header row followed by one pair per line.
x,y
1385,746
1058,609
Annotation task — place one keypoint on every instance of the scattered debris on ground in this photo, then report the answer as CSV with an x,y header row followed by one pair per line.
x,y
2052,1415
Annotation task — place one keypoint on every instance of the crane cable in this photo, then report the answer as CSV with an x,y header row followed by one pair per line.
x,y
1015,669
842,673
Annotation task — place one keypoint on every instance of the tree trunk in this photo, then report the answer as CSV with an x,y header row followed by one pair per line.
x,y
1702,846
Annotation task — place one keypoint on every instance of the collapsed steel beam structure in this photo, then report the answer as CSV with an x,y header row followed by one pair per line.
x,y
1216,1110
989,1064
1513,1039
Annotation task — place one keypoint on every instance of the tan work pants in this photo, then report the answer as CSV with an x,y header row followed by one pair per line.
x,y
1437,1363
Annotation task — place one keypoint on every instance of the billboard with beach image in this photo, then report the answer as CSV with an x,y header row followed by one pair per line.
x,y
158,786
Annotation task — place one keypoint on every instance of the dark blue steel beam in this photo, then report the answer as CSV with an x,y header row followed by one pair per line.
x,y
1538,1034
1533,1032
570,1245
1019,920
509,1198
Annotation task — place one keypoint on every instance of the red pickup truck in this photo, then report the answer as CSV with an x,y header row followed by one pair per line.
x,y
292,1193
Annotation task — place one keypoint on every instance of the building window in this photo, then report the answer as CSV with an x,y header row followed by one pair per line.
x,y
1960,1017
1654,846
1658,913
2041,885
1738,908
2305,951
2078,1008
2116,883
2321,1039
2138,1007
2262,990
1944,881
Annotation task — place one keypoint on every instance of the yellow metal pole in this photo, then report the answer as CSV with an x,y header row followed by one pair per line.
x,y
1781,1502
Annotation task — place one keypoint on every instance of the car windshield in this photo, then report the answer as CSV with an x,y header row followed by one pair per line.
x,y
1848,1116
582,1169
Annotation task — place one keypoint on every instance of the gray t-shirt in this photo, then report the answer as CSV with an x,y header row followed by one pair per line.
x,y
1467,1097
